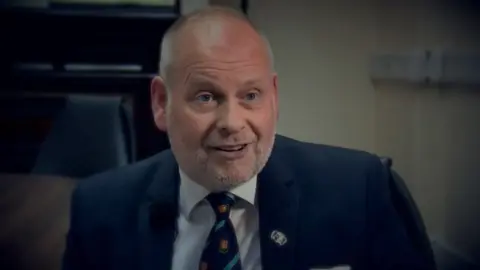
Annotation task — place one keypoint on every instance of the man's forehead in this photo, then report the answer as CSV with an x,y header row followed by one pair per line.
x,y
202,77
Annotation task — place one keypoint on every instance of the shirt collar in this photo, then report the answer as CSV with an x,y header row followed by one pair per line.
x,y
192,193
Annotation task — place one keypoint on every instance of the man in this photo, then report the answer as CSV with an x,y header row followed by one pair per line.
x,y
230,194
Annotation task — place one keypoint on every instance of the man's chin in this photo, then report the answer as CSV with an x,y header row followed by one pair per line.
x,y
221,186
228,180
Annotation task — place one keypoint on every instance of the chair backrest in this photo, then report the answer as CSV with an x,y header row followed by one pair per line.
x,y
25,123
410,214
90,135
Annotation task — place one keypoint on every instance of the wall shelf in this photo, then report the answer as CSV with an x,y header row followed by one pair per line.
x,y
95,11
108,36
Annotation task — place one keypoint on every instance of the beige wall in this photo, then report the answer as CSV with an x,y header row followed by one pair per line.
x,y
321,55
322,50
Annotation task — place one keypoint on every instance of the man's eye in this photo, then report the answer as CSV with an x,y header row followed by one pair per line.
x,y
251,96
204,97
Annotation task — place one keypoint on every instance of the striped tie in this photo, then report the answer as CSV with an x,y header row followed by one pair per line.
x,y
221,251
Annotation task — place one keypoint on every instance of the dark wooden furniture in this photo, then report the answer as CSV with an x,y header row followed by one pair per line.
x,y
39,47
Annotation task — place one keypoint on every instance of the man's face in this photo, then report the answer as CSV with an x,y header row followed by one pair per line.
x,y
221,113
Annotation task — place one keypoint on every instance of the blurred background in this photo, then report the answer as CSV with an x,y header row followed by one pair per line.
x,y
400,79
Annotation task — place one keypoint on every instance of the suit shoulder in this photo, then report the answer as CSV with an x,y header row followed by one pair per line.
x,y
320,154
120,184
342,175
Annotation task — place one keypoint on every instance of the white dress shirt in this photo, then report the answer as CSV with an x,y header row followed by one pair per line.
x,y
197,218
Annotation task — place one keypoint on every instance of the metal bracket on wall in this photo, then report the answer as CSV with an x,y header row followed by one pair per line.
x,y
188,6
429,67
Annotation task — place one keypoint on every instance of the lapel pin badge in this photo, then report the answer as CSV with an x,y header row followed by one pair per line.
x,y
278,237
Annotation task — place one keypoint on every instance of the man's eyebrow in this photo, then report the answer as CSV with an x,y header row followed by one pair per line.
x,y
201,82
202,77
252,82
210,81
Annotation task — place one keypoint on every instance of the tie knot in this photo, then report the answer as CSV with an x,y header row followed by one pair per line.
x,y
221,203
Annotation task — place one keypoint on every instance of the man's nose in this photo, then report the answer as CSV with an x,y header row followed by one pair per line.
x,y
231,118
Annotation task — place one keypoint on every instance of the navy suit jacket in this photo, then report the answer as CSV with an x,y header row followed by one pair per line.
x,y
332,204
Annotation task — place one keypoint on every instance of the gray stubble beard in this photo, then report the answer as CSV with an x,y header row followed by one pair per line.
x,y
225,182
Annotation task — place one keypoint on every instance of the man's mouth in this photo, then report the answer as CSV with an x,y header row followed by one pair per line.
x,y
230,148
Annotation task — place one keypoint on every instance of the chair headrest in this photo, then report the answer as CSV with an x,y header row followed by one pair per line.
x,y
386,161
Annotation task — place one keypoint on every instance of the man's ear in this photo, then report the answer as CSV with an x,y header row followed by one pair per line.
x,y
158,96
275,88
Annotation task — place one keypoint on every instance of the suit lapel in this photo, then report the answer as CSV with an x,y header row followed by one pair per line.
x,y
158,215
278,205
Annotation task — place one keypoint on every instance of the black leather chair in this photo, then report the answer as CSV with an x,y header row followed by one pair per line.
x,y
25,122
90,135
408,210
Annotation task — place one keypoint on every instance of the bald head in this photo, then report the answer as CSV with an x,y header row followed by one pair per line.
x,y
210,30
